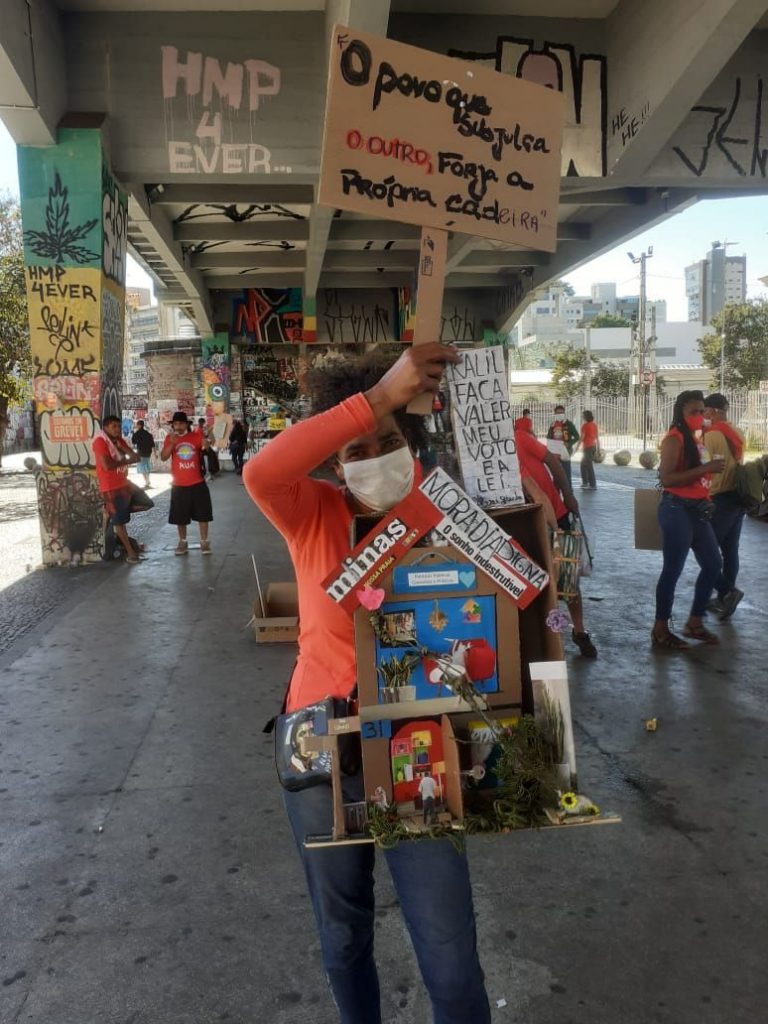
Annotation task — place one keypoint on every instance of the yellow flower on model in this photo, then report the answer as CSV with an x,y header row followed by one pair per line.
x,y
568,801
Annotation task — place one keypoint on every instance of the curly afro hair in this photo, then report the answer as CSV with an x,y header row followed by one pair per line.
x,y
334,382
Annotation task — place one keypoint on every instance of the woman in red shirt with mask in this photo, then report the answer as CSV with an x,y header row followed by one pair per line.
x,y
361,424
684,516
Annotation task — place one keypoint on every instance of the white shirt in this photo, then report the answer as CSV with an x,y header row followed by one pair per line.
x,y
427,787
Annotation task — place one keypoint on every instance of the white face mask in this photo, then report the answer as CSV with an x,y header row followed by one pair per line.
x,y
381,483
707,423
559,417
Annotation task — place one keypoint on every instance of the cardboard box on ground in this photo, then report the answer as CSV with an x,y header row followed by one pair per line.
x,y
278,621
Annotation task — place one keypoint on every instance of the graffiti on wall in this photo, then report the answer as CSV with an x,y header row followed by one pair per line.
x,y
268,376
215,370
60,239
70,515
63,318
66,435
202,102
406,313
358,323
728,138
170,384
112,334
581,79
114,226
268,315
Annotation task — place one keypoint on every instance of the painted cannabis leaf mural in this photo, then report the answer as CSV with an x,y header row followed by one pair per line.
x,y
59,241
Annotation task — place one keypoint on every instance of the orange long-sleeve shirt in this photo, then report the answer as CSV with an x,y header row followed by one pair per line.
x,y
314,518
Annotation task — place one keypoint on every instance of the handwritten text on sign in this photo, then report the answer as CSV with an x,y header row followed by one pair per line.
x,y
414,136
483,428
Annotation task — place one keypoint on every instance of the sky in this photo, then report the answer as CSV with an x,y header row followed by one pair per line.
x,y
677,242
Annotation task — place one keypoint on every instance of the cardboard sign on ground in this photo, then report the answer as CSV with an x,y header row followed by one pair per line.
x,y
424,139
280,624
483,428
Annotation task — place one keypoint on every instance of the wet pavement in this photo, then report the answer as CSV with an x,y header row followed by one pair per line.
x,y
146,868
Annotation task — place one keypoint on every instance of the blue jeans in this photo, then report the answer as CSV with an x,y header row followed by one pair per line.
x,y
432,883
727,522
684,530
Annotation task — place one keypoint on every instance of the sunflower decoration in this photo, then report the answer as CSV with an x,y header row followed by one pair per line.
x,y
575,804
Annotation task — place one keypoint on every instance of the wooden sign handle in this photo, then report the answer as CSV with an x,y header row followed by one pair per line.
x,y
429,301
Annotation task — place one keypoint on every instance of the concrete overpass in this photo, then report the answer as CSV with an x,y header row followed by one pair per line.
x,y
209,120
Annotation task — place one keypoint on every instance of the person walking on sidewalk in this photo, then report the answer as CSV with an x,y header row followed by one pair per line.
x,y
113,455
360,422
685,513
723,440
562,437
552,487
237,442
209,456
190,497
144,443
589,444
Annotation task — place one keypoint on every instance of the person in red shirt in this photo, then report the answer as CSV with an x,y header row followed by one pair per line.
x,y
546,470
588,442
190,497
113,455
361,424
685,513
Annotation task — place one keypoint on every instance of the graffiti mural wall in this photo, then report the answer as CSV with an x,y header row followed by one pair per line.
x,y
75,242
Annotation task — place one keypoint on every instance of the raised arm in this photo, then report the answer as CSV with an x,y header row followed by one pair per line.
x,y
277,478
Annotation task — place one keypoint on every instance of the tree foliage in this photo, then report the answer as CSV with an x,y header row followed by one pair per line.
x,y
606,320
565,285
15,359
744,329
568,368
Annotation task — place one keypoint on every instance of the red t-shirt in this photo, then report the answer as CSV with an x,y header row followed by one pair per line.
x,y
699,488
109,479
185,459
589,435
532,454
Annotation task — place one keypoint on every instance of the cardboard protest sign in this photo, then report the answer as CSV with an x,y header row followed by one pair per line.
x,y
417,137
483,428
441,505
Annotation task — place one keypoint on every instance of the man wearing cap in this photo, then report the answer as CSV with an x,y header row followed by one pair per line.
x,y
190,497
723,440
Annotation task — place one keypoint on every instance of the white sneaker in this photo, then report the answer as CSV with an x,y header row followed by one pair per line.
x,y
181,548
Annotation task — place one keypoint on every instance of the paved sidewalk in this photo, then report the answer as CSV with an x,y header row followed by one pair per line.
x,y
146,871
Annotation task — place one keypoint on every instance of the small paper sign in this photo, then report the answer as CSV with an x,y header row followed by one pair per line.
x,y
410,579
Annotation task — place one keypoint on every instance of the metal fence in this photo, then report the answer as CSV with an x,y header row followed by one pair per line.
x,y
621,422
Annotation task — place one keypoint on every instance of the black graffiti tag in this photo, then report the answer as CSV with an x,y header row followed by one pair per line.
x,y
64,331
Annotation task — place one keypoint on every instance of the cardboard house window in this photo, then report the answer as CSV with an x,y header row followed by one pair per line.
x,y
459,632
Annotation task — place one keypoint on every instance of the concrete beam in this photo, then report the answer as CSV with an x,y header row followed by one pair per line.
x,y
242,195
256,259
604,197
236,282
368,16
501,258
662,56
373,231
158,231
620,227
33,82
458,248
284,229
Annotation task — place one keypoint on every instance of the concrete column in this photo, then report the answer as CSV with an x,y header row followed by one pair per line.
x,y
75,238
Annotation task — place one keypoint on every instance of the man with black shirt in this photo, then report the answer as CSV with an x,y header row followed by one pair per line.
x,y
144,443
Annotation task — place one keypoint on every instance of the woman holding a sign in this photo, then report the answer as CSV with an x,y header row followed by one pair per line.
x,y
362,425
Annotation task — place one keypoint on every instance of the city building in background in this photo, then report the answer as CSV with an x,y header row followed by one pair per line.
x,y
144,325
553,312
716,281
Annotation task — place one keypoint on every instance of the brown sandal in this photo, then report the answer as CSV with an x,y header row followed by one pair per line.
x,y
700,633
668,642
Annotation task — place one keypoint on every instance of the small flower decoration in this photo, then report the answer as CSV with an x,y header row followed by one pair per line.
x,y
371,598
568,801
557,620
